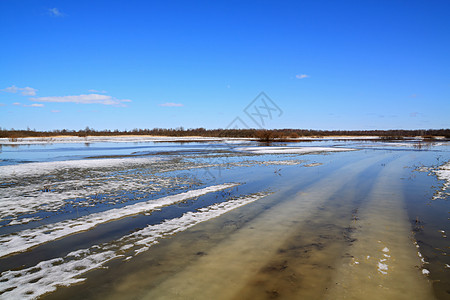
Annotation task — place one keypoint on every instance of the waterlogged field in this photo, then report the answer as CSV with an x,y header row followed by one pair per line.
x,y
147,218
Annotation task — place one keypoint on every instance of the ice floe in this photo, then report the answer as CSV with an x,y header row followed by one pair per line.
x,y
27,197
26,239
45,277
382,263
443,173
291,150
312,165
382,268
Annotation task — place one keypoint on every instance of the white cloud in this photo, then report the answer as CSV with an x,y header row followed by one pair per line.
x,y
30,105
34,105
301,76
97,91
11,89
171,104
26,91
55,12
84,99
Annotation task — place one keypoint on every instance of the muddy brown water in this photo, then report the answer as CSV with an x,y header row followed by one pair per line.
x,y
347,234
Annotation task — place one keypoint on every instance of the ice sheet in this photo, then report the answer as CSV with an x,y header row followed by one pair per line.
x,y
40,168
26,239
35,281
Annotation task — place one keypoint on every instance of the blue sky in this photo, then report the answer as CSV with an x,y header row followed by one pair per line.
x,y
147,64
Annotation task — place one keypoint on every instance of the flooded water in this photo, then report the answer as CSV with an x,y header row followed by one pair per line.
x,y
220,220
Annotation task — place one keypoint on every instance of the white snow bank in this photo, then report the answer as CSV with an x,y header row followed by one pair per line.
x,y
40,168
283,150
26,239
32,282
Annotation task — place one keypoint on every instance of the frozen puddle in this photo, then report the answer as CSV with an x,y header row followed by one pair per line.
x,y
26,239
388,266
46,276
291,150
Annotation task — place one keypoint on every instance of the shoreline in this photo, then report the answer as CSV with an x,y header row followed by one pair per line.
x,y
187,139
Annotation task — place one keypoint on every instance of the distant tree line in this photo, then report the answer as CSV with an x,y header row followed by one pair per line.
x,y
237,133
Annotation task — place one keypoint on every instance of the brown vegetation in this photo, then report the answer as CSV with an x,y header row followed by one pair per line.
x,y
263,135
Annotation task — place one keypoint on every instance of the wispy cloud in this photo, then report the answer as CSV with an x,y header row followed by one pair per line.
x,y
413,96
55,12
55,111
301,76
171,104
2,104
26,91
84,99
97,91
28,105
34,105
